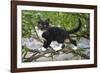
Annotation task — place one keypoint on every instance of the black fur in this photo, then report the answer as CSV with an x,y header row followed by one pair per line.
x,y
59,35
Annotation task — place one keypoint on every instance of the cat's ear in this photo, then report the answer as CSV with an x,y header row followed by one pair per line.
x,y
47,20
39,18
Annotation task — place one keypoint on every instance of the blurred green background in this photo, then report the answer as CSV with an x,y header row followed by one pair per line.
x,y
65,20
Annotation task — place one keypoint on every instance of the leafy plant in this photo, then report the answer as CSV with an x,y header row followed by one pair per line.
x,y
63,19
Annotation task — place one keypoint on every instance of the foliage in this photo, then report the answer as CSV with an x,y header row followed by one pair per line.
x,y
63,19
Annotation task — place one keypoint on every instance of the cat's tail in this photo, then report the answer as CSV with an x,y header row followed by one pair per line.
x,y
77,28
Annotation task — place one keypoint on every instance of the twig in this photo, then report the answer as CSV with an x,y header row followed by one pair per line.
x,y
30,59
74,52
34,57
82,55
